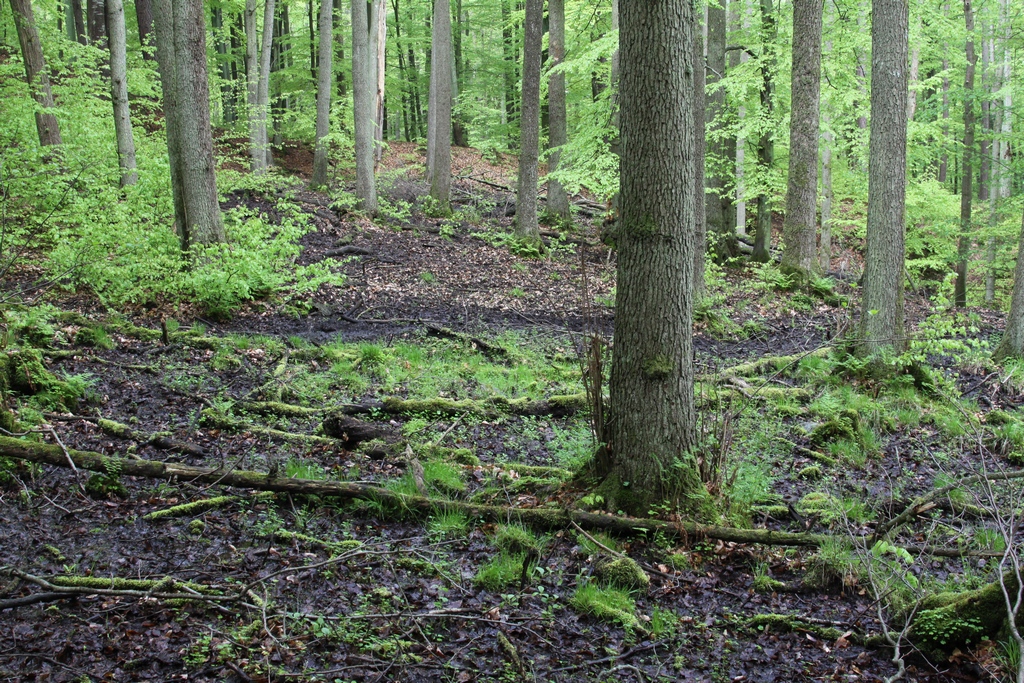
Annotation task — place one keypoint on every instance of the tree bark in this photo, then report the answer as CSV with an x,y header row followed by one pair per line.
x,y
766,144
825,246
652,410
800,253
363,87
252,69
378,41
439,135
740,20
181,50
35,72
97,23
558,200
527,227
881,324
700,230
223,65
78,17
323,93
509,72
967,175
119,91
144,18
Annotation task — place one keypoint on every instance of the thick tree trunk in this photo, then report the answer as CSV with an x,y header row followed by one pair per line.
x,y
881,323
967,175
558,200
652,409
800,253
439,136
766,144
717,205
527,227
119,91
323,94
363,87
144,18
35,72
181,50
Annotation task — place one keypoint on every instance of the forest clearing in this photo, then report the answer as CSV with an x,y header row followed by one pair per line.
x,y
304,379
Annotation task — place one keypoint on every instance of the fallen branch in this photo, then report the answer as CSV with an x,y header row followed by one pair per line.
x,y
759,366
122,431
485,347
557,406
215,418
348,251
535,517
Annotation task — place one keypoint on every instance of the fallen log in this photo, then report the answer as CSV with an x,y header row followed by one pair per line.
x,y
158,440
540,518
217,419
556,406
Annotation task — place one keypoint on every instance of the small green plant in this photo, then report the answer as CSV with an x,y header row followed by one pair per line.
x,y
297,468
448,524
607,604
95,336
938,628
833,565
428,277
502,571
515,538
517,292
763,580
663,623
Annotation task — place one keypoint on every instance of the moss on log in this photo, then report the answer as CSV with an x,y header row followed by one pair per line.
x,y
541,518
948,620
197,506
217,419
771,363
556,406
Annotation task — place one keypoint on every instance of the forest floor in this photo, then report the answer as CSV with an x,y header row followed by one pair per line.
x,y
360,591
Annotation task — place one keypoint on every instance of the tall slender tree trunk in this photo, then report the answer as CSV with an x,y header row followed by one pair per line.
x,y
119,91
223,65
740,19
144,18
825,245
460,136
35,72
439,137
944,158
181,50
97,22
766,144
378,42
881,322
996,116
915,61
363,85
78,16
700,229
260,151
508,46
967,176
323,93
651,429
340,52
527,227
252,73
558,200
799,233
720,228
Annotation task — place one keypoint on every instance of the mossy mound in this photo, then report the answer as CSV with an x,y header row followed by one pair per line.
x,y
102,486
22,371
624,573
94,336
846,425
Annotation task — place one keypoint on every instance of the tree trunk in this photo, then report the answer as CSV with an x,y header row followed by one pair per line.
x,y
97,23
78,16
881,323
652,411
1012,343
766,144
508,47
223,64
740,20
35,72
558,200
259,143
439,136
700,230
967,176
944,159
362,103
460,136
181,50
323,94
915,61
527,227
378,41
825,247
800,253
144,18
720,229
340,52
119,91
